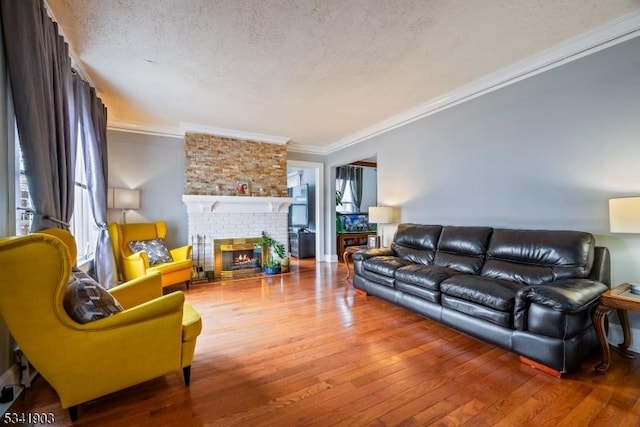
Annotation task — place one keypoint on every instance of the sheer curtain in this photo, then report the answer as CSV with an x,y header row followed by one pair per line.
x,y
93,122
40,77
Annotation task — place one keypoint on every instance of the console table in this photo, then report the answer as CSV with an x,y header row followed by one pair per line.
x,y
620,299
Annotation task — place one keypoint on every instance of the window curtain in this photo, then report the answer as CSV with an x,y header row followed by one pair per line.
x,y
355,182
93,122
342,176
40,78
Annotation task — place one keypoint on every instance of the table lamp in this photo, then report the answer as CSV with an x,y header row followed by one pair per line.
x,y
123,198
624,217
380,215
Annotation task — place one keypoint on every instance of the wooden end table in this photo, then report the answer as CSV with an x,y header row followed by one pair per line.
x,y
349,251
621,299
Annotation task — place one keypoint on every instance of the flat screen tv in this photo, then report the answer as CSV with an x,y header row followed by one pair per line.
x,y
299,209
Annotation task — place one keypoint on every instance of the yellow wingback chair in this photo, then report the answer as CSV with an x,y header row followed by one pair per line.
x,y
133,265
154,335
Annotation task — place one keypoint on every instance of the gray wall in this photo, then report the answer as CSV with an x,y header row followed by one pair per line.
x,y
156,166
546,152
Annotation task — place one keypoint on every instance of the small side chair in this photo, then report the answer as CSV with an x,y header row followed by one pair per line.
x,y
139,250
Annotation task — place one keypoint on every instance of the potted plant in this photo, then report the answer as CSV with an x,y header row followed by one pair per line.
x,y
268,246
278,248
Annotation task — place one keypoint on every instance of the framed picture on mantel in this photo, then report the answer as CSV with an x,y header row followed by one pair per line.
x,y
242,188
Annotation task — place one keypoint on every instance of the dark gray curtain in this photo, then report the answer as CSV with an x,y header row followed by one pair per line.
x,y
342,176
39,71
93,122
355,182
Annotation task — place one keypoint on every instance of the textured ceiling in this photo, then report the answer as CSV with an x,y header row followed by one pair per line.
x,y
313,71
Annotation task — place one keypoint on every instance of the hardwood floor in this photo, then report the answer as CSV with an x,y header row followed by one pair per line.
x,y
303,349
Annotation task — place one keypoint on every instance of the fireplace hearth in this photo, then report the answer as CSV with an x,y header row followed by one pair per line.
x,y
236,258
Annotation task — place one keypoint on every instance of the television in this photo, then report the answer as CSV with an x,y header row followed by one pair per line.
x,y
299,209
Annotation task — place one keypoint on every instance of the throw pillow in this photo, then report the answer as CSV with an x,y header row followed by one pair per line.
x,y
85,300
156,250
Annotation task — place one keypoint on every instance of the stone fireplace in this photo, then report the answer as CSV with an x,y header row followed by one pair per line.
x,y
214,166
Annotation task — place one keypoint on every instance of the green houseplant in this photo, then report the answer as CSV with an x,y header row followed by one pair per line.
x,y
269,246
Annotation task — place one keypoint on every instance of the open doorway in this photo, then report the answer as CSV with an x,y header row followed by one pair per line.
x,y
356,192
305,183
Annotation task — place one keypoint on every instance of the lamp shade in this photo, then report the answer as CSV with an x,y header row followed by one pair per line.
x,y
380,214
123,198
624,215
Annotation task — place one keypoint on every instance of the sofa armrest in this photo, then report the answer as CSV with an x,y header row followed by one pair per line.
x,y
369,253
135,265
601,269
567,295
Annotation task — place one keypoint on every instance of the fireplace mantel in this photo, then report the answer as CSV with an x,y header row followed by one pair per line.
x,y
235,204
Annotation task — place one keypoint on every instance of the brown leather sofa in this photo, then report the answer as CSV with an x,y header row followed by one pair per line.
x,y
527,291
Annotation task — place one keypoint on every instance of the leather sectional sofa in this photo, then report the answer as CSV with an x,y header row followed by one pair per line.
x,y
527,291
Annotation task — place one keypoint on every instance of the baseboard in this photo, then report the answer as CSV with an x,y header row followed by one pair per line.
x,y
328,258
616,336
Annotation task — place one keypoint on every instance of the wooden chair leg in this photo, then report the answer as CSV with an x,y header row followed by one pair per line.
x,y
186,372
73,413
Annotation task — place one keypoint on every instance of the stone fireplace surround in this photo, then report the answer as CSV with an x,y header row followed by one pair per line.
x,y
224,217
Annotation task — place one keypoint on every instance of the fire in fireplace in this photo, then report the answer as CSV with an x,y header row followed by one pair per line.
x,y
237,257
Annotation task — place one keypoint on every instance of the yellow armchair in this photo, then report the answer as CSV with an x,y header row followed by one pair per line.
x,y
153,336
135,264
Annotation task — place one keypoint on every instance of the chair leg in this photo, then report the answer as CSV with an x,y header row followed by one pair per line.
x,y
73,413
186,372
188,283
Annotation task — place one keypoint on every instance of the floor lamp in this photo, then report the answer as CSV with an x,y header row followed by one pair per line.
x,y
380,215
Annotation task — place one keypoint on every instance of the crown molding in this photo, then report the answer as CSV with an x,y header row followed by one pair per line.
x,y
233,133
306,149
146,129
617,31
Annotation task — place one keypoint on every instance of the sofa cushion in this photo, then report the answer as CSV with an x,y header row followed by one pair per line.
x,y
156,250
424,276
384,265
496,294
416,243
501,318
85,300
535,257
463,248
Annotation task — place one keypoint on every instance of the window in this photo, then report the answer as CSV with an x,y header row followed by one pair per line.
x,y
347,198
81,225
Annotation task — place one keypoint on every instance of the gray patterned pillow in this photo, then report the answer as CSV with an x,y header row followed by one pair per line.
x,y
156,250
85,300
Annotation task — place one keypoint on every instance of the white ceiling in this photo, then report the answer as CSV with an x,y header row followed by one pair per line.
x,y
320,73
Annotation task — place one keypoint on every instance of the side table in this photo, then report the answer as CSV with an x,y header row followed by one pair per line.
x,y
621,299
349,251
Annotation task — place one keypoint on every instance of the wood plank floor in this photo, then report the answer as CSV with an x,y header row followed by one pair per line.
x,y
303,349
